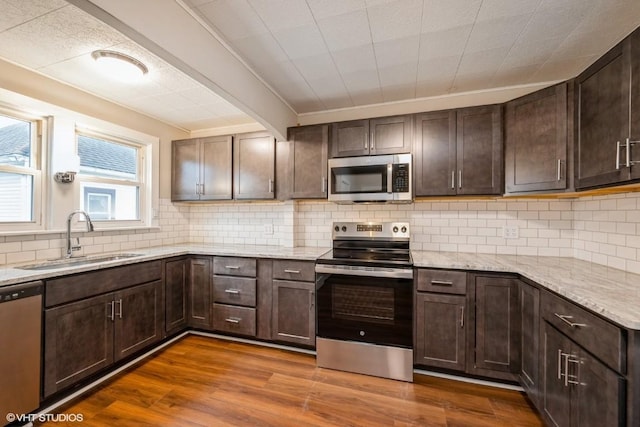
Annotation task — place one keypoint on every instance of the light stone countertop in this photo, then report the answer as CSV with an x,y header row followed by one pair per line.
x,y
613,293
11,274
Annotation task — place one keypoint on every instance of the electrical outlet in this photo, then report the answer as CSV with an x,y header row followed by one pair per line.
x,y
268,229
510,231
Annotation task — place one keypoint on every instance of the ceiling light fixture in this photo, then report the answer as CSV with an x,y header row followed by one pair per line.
x,y
120,66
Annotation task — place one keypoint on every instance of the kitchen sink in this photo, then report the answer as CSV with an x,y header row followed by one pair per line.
x,y
71,262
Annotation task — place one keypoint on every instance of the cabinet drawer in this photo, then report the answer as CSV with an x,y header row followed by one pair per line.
x,y
603,339
235,320
294,270
234,290
442,281
234,266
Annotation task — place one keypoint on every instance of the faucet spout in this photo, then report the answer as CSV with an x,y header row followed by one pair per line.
x,y
70,246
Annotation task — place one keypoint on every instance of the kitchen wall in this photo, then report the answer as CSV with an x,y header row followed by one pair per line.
x,y
604,229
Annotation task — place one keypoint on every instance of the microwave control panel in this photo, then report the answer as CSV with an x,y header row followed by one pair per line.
x,y
400,178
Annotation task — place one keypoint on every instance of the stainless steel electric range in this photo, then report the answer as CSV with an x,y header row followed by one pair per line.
x,y
364,300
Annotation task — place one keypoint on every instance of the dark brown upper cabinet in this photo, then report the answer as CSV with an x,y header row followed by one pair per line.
x,y
536,141
608,131
384,135
459,152
254,166
301,161
201,169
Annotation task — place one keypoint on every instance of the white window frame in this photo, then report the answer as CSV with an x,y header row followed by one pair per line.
x,y
39,127
143,182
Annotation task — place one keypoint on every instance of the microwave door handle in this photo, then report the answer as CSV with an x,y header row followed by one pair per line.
x,y
389,178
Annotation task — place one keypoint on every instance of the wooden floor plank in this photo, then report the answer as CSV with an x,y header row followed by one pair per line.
x,y
201,381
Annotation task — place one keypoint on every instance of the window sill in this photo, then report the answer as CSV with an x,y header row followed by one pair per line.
x,y
79,229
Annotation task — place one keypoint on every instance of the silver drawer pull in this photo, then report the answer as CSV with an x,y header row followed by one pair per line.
x,y
232,267
566,319
232,291
292,271
233,319
441,283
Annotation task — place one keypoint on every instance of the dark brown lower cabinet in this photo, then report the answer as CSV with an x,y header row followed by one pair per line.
x,y
200,292
293,312
495,340
175,291
530,340
82,338
440,331
578,389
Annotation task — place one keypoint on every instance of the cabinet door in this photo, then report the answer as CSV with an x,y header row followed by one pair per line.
x,y
294,317
536,141
479,150
556,397
215,166
634,150
254,166
200,292
185,170
138,318
598,396
350,139
440,331
603,119
175,302
529,339
497,335
78,341
390,135
435,154
308,161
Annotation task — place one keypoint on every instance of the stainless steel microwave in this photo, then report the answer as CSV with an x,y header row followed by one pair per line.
x,y
371,179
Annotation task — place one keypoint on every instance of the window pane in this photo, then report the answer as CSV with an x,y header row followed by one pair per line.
x,y
107,159
110,201
15,142
16,195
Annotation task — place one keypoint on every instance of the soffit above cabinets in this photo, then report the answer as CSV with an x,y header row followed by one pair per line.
x,y
308,56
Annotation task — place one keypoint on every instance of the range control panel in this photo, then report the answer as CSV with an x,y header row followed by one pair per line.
x,y
375,230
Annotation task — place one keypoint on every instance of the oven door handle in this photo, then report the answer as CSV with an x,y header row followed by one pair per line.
x,y
394,273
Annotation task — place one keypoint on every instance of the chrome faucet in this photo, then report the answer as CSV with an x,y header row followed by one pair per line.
x,y
76,247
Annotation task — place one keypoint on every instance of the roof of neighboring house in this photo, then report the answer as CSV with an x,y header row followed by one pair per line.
x,y
14,139
95,153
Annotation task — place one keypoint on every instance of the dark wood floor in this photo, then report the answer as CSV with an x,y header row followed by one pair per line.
x,y
201,381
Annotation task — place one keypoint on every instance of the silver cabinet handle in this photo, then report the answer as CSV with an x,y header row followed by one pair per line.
x,y
324,184
575,378
112,311
197,188
292,271
559,364
232,267
270,185
453,180
373,141
441,283
460,178
628,151
462,317
232,291
119,302
565,318
566,369
233,320
617,155
201,188
559,169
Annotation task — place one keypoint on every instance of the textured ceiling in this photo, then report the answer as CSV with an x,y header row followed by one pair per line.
x,y
329,54
56,39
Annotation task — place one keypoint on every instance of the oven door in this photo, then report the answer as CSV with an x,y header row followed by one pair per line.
x,y
363,307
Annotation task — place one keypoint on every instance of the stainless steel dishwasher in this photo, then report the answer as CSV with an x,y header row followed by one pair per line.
x,y
20,344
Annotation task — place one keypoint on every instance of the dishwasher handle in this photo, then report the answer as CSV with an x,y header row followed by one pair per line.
x,y
23,290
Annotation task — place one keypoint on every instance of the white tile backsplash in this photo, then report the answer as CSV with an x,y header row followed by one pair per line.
x,y
602,229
